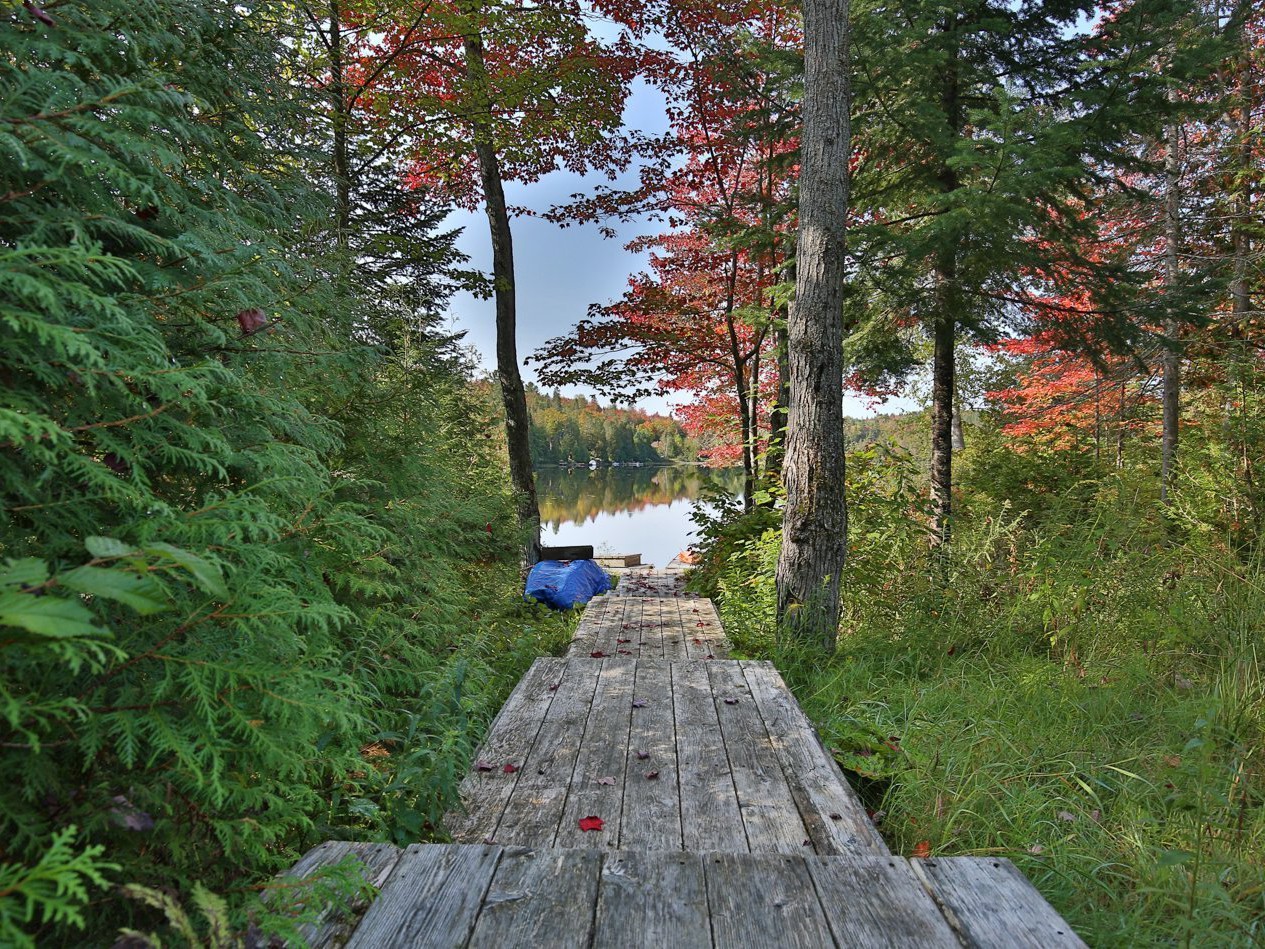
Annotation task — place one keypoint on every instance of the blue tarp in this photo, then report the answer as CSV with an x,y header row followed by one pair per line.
x,y
563,584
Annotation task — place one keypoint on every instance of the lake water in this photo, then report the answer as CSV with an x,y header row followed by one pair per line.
x,y
626,510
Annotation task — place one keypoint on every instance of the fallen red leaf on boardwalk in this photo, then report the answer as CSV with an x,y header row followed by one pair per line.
x,y
482,765
510,768
624,652
554,687
700,624
697,641
597,654
622,641
639,703
591,823
922,850
652,775
731,701
606,780
643,755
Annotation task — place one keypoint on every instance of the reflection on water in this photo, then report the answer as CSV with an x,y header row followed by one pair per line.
x,y
625,509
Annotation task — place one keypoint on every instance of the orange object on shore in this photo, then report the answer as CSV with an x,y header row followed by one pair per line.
x,y
688,556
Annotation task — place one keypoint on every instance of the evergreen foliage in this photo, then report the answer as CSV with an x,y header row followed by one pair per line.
x,y
250,514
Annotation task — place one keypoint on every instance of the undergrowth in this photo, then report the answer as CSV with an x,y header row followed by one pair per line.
x,y
1079,690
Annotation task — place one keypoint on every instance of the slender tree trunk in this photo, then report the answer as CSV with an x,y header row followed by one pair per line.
x,y
945,327
942,372
340,109
744,420
777,424
815,519
1171,395
1120,430
959,435
1097,417
753,411
513,394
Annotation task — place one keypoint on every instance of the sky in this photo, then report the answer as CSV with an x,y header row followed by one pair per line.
x,y
560,272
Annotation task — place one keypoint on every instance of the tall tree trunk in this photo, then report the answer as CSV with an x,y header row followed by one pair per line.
x,y
1120,430
777,423
340,111
959,434
745,422
815,519
753,412
945,326
942,372
1171,395
513,394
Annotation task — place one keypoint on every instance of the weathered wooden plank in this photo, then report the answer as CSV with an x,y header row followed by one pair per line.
x,y
431,899
651,627
334,923
513,732
710,817
651,582
603,755
605,610
768,807
619,560
652,805
652,899
584,639
834,816
540,898
877,901
534,808
989,903
675,633
707,640
632,629
764,900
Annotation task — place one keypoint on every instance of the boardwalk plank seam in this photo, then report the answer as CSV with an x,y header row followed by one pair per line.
x,y
751,836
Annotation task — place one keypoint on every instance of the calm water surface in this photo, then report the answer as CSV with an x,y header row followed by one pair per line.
x,y
626,510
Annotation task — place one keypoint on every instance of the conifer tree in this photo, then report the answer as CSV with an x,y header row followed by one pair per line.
x,y
982,128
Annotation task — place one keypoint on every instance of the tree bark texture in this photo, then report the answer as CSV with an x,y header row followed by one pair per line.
x,y
944,326
942,372
1171,394
777,423
513,394
815,520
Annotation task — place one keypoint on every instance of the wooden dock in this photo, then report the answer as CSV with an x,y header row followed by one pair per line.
x,y
646,790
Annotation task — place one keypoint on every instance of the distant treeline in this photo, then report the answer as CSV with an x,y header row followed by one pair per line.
x,y
577,430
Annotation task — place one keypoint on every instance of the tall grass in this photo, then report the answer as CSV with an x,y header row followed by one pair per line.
x,y
1081,692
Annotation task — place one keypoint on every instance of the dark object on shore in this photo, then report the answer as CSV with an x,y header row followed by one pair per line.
x,y
563,584
577,552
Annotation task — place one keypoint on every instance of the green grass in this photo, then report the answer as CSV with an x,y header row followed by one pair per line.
x,y
1125,798
1087,700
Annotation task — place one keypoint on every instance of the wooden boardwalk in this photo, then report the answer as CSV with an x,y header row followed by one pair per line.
x,y
645,790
